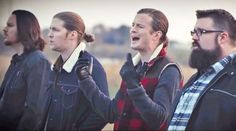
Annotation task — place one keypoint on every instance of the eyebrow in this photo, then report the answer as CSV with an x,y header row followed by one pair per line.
x,y
138,24
10,23
199,28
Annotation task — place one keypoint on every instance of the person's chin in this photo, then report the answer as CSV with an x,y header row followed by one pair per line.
x,y
7,43
52,47
134,45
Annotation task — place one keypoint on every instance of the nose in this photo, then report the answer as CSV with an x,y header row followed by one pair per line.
x,y
4,30
194,36
50,34
133,29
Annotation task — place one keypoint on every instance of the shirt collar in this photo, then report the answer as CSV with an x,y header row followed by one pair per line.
x,y
70,62
222,63
137,57
17,58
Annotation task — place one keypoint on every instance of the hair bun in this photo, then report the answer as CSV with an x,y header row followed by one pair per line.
x,y
89,37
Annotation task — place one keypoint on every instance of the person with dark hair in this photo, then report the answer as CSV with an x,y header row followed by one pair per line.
x,y
26,75
65,106
207,101
149,80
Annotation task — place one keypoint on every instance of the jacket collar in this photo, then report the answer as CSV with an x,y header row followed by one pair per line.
x,y
17,58
70,62
137,57
229,69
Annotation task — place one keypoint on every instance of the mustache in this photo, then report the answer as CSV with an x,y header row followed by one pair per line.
x,y
195,43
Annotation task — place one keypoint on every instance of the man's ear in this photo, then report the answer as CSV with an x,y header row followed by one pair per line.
x,y
73,34
157,35
223,37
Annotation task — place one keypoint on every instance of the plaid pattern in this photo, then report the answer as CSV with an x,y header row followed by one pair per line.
x,y
129,117
189,97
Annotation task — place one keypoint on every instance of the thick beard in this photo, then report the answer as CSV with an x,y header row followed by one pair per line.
x,y
201,59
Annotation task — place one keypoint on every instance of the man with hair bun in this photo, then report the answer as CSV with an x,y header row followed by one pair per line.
x,y
150,80
65,107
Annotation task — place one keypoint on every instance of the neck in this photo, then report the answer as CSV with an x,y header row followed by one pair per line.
x,y
227,51
66,54
68,51
145,56
18,47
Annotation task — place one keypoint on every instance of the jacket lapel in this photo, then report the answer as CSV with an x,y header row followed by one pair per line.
x,y
178,95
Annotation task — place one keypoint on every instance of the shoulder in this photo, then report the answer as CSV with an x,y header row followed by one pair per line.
x,y
36,58
171,69
36,55
96,63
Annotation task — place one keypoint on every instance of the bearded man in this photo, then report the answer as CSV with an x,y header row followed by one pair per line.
x,y
208,99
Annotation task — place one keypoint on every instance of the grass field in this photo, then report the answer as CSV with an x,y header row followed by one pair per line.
x,y
4,63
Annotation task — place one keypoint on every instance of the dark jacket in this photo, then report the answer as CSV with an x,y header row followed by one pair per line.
x,y
65,106
152,110
215,108
138,108
19,91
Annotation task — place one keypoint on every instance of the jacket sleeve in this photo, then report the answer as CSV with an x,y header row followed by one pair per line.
x,y
95,89
100,78
100,102
155,112
36,77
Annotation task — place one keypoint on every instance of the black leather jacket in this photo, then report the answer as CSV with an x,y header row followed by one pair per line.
x,y
215,108
19,91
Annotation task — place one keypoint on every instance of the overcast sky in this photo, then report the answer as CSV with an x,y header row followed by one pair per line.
x,y
113,13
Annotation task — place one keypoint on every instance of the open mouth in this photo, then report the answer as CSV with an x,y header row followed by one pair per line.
x,y
135,38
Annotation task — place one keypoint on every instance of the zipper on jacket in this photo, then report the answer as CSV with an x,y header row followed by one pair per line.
x,y
204,93
207,89
224,92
